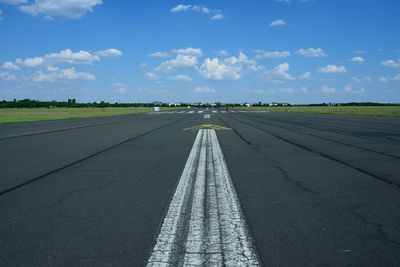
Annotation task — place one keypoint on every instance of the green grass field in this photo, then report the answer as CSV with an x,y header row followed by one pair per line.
x,y
385,111
11,115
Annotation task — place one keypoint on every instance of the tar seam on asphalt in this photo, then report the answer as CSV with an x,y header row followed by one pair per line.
x,y
322,154
29,181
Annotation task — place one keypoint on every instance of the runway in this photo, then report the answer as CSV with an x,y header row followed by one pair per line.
x,y
306,189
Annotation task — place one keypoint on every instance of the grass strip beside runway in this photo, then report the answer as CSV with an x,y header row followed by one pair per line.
x,y
11,115
383,111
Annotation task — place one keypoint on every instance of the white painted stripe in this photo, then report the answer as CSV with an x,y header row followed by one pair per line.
x,y
200,111
191,111
207,116
204,224
214,111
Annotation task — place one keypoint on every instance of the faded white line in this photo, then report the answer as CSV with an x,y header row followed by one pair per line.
x,y
200,111
207,116
204,224
214,111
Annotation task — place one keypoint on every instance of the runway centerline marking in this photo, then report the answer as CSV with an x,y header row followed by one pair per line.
x,y
204,225
207,116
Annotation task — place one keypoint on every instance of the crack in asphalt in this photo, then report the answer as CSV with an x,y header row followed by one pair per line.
x,y
29,181
383,179
283,172
329,139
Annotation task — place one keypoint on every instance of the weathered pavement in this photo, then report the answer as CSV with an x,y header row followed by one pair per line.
x,y
311,189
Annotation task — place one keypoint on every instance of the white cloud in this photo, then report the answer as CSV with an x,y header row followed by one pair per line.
x,y
64,56
349,89
111,52
14,2
180,77
328,90
55,8
215,69
68,56
158,54
271,54
189,51
282,71
5,76
304,89
219,16
283,1
204,90
181,61
311,52
363,79
151,76
357,60
30,62
306,76
332,69
10,66
60,75
120,88
194,8
278,22
227,69
383,79
390,63
397,77
222,53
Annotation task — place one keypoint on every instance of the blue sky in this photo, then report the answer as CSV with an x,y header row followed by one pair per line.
x,y
298,51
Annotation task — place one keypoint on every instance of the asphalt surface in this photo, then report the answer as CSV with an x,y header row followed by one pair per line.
x,y
315,189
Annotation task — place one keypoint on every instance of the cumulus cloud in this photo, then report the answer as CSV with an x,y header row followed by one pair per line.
x,y
151,76
357,59
397,77
10,66
278,22
111,52
282,71
328,90
194,8
222,53
332,69
271,54
304,89
390,63
363,79
306,76
226,69
216,69
383,79
68,56
5,76
349,89
120,88
65,56
311,52
204,90
180,77
189,51
158,54
54,8
218,16
30,62
180,61
61,75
